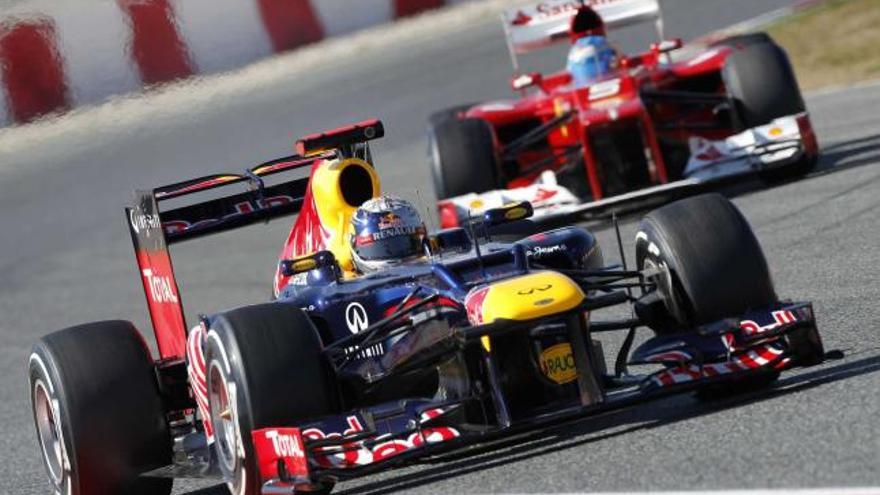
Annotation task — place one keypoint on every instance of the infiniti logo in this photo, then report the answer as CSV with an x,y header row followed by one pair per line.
x,y
356,317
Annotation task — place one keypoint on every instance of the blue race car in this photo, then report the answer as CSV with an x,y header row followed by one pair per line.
x,y
384,343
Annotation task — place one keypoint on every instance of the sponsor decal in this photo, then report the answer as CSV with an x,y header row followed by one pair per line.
x,y
243,208
390,220
161,288
357,454
280,453
544,302
542,251
604,89
551,9
140,221
285,445
557,364
356,317
780,318
532,290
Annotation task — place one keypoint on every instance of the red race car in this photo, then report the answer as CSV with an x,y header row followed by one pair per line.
x,y
613,128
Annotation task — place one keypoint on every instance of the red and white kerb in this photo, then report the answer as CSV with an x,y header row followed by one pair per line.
x,y
59,57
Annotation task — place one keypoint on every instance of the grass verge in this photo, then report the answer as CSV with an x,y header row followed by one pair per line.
x,y
837,43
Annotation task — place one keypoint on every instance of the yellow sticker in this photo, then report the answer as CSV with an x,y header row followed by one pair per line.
x,y
557,364
516,213
776,131
304,265
476,204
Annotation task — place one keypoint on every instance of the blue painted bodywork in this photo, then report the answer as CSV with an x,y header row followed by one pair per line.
x,y
451,274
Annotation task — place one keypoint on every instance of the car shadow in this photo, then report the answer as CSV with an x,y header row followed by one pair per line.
x,y
835,157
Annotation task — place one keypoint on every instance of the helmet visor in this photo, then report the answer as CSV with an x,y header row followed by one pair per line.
x,y
375,247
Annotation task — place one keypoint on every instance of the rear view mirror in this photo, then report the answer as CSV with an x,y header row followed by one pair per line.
x,y
315,261
508,213
666,46
525,81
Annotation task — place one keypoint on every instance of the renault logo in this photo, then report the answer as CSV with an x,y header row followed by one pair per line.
x,y
356,317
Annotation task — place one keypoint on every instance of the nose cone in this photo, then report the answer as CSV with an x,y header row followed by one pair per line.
x,y
523,298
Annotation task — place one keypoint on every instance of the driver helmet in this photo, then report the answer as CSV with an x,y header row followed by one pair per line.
x,y
590,58
386,231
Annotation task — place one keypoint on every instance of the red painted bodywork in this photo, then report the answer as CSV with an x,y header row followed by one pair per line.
x,y
306,236
553,94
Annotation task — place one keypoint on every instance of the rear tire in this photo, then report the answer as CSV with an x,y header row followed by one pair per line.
x,y
98,412
762,85
462,156
264,365
711,264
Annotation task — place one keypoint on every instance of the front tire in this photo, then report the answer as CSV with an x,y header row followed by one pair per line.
x,y
762,86
711,265
264,369
98,413
462,156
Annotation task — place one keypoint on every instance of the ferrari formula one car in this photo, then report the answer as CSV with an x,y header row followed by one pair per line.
x,y
614,129
343,374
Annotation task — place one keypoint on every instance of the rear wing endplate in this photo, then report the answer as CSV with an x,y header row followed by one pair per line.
x,y
531,27
153,230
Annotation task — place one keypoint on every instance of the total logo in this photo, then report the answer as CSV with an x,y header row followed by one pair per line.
x,y
161,288
285,445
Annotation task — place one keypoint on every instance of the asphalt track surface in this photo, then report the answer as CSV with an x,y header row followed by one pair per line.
x,y
65,258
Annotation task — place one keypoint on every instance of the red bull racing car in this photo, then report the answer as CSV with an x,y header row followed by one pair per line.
x,y
344,374
611,129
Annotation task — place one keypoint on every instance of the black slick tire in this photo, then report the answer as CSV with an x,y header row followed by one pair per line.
x,y
98,412
270,355
711,264
462,157
762,85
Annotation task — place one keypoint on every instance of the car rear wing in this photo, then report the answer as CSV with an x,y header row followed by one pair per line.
x,y
536,26
154,229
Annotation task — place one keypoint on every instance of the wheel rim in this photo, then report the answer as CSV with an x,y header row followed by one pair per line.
x,y
49,433
223,418
666,287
